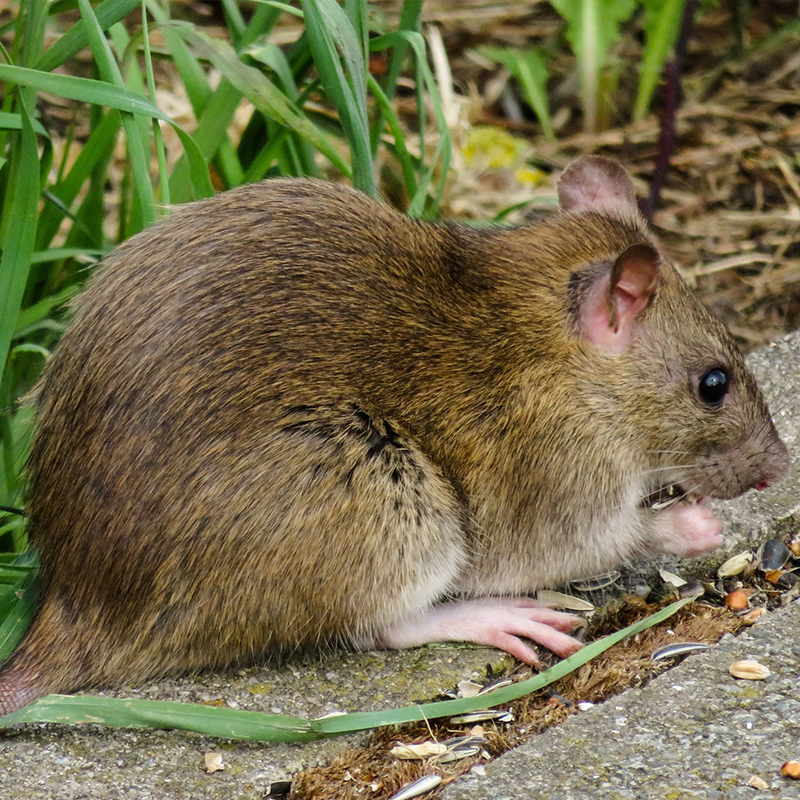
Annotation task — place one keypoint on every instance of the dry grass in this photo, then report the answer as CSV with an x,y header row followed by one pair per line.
x,y
373,772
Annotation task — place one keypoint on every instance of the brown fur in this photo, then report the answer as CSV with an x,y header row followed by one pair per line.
x,y
280,415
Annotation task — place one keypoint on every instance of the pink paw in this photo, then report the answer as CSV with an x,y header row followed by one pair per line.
x,y
493,621
691,530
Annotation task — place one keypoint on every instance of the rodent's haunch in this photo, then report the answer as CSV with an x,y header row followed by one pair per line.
x,y
291,417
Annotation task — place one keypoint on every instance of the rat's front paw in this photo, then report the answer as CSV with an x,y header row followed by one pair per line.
x,y
494,621
689,530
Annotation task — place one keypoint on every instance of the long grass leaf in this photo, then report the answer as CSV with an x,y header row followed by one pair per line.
x,y
410,15
529,68
139,158
593,26
19,618
662,22
88,90
77,37
361,721
249,725
19,231
13,122
442,154
330,32
260,91
39,311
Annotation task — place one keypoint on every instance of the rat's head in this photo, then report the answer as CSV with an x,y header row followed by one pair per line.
x,y
688,397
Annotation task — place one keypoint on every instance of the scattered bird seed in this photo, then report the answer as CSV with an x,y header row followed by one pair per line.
x,y
462,747
751,616
671,578
468,688
561,600
693,589
482,716
278,790
772,555
678,649
596,582
749,670
735,565
214,762
422,786
791,769
493,687
737,600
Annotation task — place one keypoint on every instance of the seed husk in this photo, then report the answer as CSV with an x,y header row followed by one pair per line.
x,y
735,565
482,716
419,751
596,582
671,578
749,670
561,600
751,616
772,555
758,783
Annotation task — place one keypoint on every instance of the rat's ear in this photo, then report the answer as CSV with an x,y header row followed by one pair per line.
x,y
612,305
594,183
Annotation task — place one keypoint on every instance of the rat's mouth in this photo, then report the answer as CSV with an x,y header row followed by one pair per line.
x,y
668,495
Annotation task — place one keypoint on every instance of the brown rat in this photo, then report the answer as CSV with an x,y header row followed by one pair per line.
x,y
291,417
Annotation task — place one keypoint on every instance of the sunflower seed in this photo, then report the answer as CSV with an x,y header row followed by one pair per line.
x,y
480,716
678,649
422,786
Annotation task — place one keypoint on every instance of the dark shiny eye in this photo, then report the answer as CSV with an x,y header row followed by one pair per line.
x,y
713,386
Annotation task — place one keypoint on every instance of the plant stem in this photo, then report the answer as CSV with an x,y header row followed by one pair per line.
x,y
672,98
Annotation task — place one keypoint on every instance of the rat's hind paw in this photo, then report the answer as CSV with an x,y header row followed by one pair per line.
x,y
494,621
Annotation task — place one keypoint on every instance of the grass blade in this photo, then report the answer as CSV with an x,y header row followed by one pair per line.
x,y
77,37
19,231
662,22
260,91
139,158
249,725
330,32
528,67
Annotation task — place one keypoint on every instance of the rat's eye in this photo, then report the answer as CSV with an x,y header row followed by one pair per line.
x,y
713,386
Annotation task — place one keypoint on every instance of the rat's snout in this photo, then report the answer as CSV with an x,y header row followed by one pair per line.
x,y
757,461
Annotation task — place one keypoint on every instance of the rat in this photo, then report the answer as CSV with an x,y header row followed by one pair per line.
x,y
290,417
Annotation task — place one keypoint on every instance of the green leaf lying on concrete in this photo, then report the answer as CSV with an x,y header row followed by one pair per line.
x,y
229,723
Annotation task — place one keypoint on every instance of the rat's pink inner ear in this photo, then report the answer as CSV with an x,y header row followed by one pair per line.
x,y
594,183
611,309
